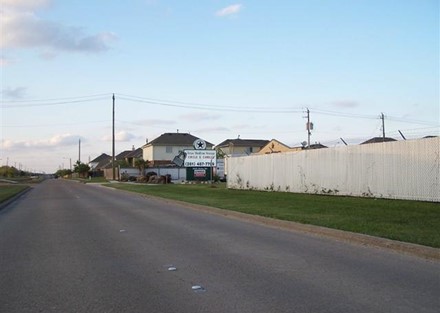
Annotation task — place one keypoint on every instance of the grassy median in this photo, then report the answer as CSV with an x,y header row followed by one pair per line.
x,y
409,221
8,191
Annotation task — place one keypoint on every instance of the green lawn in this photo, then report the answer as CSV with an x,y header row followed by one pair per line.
x,y
409,221
8,191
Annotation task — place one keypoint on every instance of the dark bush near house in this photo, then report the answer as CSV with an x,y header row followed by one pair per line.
x,y
167,179
124,177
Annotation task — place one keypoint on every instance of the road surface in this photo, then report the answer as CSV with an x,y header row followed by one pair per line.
x,y
70,247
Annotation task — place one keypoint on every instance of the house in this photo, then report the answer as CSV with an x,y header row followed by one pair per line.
x,y
130,156
240,147
275,146
162,150
378,139
315,145
100,162
133,156
121,156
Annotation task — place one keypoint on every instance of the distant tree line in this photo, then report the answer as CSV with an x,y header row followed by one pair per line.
x,y
11,171
81,168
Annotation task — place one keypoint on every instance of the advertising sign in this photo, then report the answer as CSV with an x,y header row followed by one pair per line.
x,y
200,158
199,173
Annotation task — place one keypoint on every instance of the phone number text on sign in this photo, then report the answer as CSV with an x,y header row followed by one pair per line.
x,y
200,158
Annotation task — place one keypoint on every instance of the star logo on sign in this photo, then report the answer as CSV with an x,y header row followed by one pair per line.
x,y
200,144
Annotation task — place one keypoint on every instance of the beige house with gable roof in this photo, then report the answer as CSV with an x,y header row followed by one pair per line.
x,y
275,146
162,150
240,147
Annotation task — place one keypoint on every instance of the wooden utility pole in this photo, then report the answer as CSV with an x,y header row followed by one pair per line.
x,y
308,128
113,140
383,126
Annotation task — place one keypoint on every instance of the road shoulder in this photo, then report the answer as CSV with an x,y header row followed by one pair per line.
x,y
425,252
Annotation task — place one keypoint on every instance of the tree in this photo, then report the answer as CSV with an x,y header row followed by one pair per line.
x,y
141,164
81,168
63,172
220,154
8,171
123,163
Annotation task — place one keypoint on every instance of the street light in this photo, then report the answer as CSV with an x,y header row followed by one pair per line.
x,y
70,162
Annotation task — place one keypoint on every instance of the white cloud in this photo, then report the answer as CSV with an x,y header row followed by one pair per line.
x,y
56,141
5,61
230,10
15,93
200,117
242,126
345,104
155,122
218,129
24,4
121,136
64,140
22,28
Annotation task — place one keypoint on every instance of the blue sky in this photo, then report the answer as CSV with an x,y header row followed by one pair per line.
x,y
217,69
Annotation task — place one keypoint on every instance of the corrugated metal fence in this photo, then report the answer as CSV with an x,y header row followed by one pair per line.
x,y
398,170
177,174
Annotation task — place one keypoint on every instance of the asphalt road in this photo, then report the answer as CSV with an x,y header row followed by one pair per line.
x,y
70,247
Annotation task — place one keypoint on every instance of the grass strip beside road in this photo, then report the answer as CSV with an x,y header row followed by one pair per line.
x,y
8,191
91,180
408,221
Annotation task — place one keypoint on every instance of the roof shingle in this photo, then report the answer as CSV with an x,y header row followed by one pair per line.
x,y
244,143
176,139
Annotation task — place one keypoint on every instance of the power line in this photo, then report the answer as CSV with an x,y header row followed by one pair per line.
x,y
416,131
343,114
190,105
52,125
56,99
10,106
410,121
364,116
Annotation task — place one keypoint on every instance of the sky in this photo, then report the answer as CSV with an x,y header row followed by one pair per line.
x,y
216,69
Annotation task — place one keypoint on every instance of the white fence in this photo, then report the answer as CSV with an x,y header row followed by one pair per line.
x,y
177,174
398,170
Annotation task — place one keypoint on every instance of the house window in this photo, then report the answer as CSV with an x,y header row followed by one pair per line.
x,y
169,149
251,149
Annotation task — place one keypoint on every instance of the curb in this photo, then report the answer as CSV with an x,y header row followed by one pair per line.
x,y
5,203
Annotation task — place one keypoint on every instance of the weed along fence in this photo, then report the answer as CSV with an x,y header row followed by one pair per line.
x,y
398,170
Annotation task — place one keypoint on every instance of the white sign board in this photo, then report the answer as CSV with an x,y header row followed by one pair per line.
x,y
202,158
